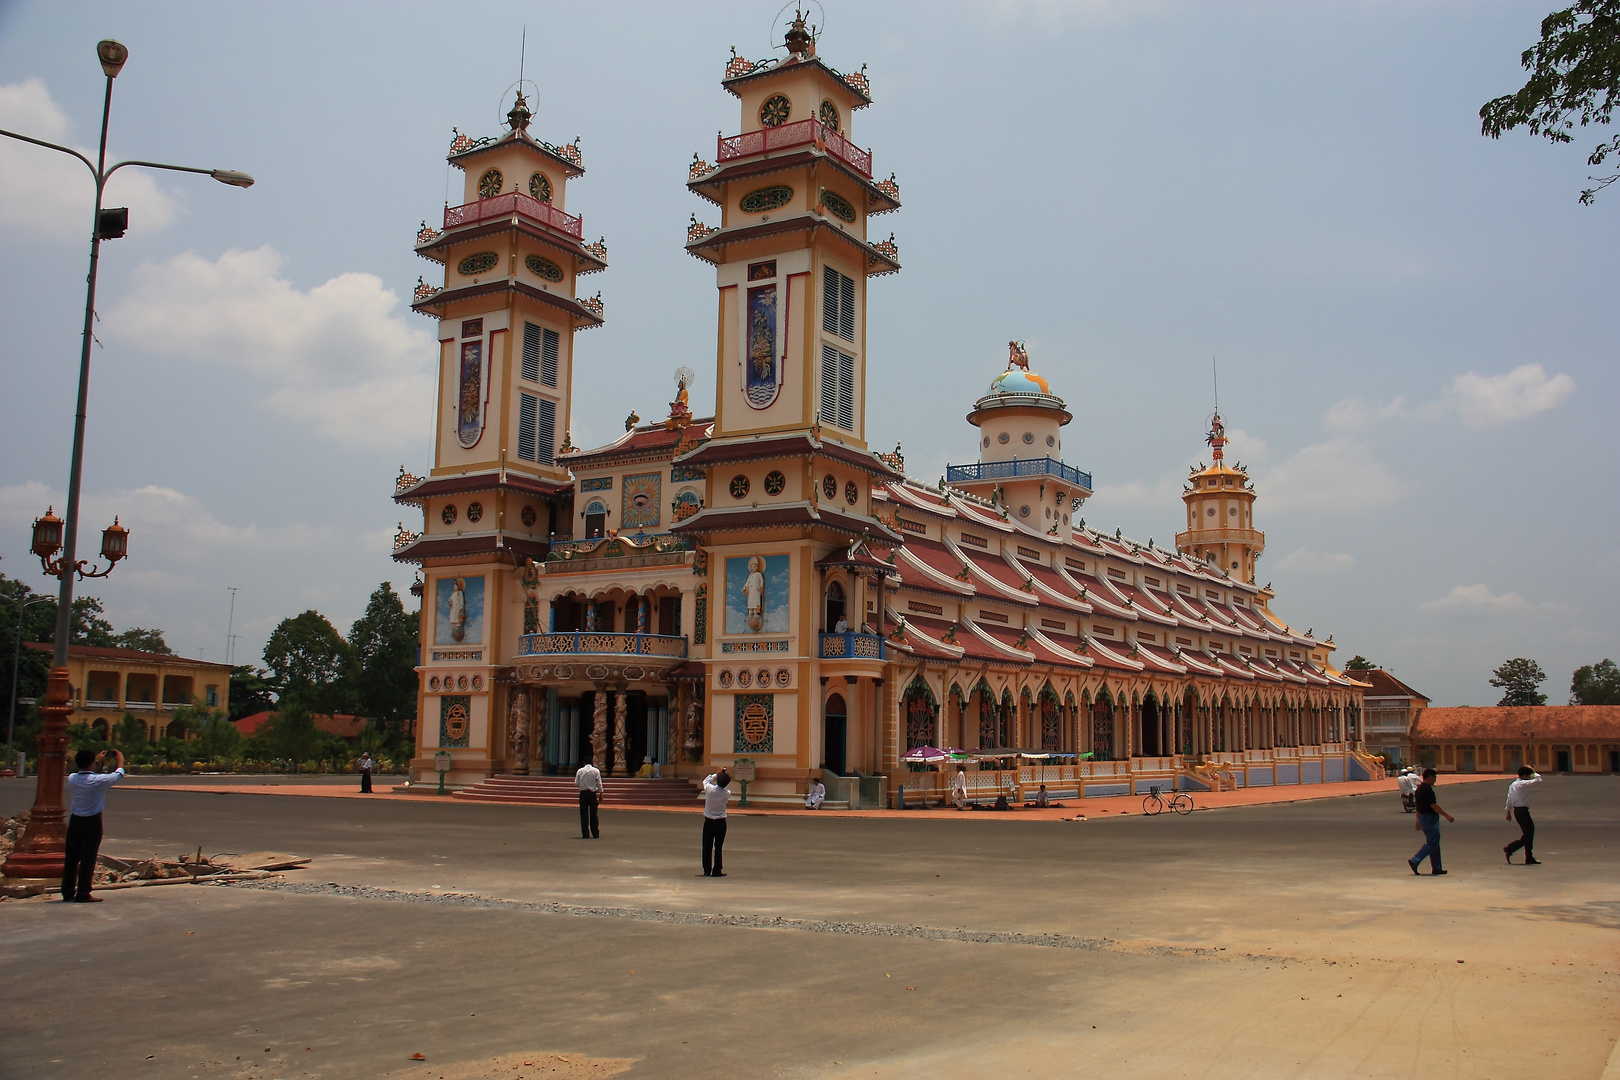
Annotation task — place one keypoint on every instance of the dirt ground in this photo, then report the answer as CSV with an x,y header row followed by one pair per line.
x,y
1270,940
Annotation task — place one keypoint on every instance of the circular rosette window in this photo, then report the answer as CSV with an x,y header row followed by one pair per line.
x,y
775,482
766,199
764,677
829,486
540,187
775,110
838,206
448,514
481,262
783,676
475,512
489,185
542,267
745,678
530,516
725,678
739,487
851,493
829,117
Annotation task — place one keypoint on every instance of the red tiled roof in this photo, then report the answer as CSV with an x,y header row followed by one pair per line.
x,y
643,440
137,656
482,481
342,725
1549,722
1384,684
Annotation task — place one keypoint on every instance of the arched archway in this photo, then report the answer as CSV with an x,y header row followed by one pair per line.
x,y
835,608
1051,721
1152,744
1102,726
922,714
834,734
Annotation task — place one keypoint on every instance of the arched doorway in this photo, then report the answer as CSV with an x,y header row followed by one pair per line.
x,y
834,729
921,714
1102,727
835,607
1152,745
1051,721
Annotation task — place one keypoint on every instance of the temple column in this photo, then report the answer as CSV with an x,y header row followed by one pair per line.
x,y
621,732
599,728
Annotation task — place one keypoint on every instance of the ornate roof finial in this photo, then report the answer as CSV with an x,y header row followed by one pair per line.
x,y
1217,435
519,116
800,44
1017,357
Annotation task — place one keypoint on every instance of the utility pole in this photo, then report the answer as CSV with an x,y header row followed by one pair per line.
x,y
230,624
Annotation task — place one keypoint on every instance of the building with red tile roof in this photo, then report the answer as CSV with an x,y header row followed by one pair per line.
x,y
1499,738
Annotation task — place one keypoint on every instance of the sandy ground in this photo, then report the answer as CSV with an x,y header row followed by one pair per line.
x,y
1280,939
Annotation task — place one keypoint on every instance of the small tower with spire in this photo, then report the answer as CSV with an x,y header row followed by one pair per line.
x,y
1220,511
1021,466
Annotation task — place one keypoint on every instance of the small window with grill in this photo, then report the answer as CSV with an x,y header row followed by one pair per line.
x,y
837,388
838,303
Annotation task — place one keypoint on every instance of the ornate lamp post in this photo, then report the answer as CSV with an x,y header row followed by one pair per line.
x,y
39,852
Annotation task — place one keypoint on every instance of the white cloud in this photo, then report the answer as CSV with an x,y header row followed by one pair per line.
x,y
1163,492
1341,474
341,357
1483,400
1306,561
1474,598
48,192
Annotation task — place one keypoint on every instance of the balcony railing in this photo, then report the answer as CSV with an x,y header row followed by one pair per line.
x,y
513,202
110,703
803,133
1006,470
591,643
852,646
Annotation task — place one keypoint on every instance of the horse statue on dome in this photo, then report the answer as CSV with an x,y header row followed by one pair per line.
x,y
1016,356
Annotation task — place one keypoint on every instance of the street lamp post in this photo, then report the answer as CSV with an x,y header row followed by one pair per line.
x,y
38,855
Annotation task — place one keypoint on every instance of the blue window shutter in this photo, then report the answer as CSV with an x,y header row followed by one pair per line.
x,y
526,427
548,359
531,352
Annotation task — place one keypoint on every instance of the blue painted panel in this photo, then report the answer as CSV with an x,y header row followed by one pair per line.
x,y
1261,777
1287,774
1095,790
1335,769
1313,772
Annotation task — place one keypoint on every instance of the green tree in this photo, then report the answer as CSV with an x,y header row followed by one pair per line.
x,y
293,734
89,626
310,660
1520,681
383,644
213,734
131,732
1574,76
1595,684
252,691
33,665
139,637
1360,663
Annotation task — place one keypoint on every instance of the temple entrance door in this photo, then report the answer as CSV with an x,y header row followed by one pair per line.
x,y
1561,760
834,726
835,607
582,741
1150,728
635,732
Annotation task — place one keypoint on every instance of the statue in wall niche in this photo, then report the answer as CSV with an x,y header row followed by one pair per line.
x,y
754,593
599,730
458,610
517,729
530,583
694,730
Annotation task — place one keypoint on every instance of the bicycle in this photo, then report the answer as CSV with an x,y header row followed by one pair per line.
x,y
1179,801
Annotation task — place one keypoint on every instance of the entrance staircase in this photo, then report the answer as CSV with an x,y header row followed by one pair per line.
x,y
561,791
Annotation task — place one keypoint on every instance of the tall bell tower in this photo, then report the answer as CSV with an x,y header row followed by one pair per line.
x,y
789,512
1220,512
507,311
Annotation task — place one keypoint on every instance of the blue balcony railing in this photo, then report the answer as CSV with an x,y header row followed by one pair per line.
x,y
1006,470
591,643
852,646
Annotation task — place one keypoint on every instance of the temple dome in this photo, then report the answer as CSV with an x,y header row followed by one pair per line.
x,y
1019,381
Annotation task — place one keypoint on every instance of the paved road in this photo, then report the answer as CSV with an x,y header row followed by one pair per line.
x,y
1285,940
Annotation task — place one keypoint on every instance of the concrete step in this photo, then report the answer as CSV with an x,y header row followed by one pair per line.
x,y
561,791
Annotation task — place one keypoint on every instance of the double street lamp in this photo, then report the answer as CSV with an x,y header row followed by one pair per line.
x,y
38,854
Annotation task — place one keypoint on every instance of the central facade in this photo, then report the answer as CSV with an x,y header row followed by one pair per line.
x,y
759,586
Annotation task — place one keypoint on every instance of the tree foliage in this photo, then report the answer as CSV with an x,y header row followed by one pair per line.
x,y
310,661
1574,77
1520,681
1595,684
252,691
1360,663
384,646
139,637
293,734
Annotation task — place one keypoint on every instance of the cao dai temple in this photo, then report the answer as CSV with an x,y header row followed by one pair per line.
x,y
759,584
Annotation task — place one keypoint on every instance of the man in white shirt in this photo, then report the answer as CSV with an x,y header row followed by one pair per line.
x,y
1518,808
959,788
589,782
816,795
716,793
87,796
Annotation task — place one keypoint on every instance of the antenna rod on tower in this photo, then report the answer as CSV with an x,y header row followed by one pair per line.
x,y
1215,373
230,624
523,55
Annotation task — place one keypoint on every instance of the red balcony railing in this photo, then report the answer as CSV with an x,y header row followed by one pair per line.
x,y
513,202
802,133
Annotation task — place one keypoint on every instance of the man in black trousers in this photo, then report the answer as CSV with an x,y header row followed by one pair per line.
x,y
87,794
716,793
1518,809
589,782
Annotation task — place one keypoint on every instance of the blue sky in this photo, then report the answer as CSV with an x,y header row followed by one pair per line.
x,y
1413,322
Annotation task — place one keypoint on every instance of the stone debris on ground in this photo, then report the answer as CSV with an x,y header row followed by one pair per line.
x,y
116,873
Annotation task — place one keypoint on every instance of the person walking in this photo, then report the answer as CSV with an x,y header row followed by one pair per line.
x,y
716,793
1429,813
959,788
589,782
367,763
1518,809
87,795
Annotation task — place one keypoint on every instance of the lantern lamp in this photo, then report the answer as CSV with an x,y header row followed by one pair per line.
x,y
114,542
47,535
